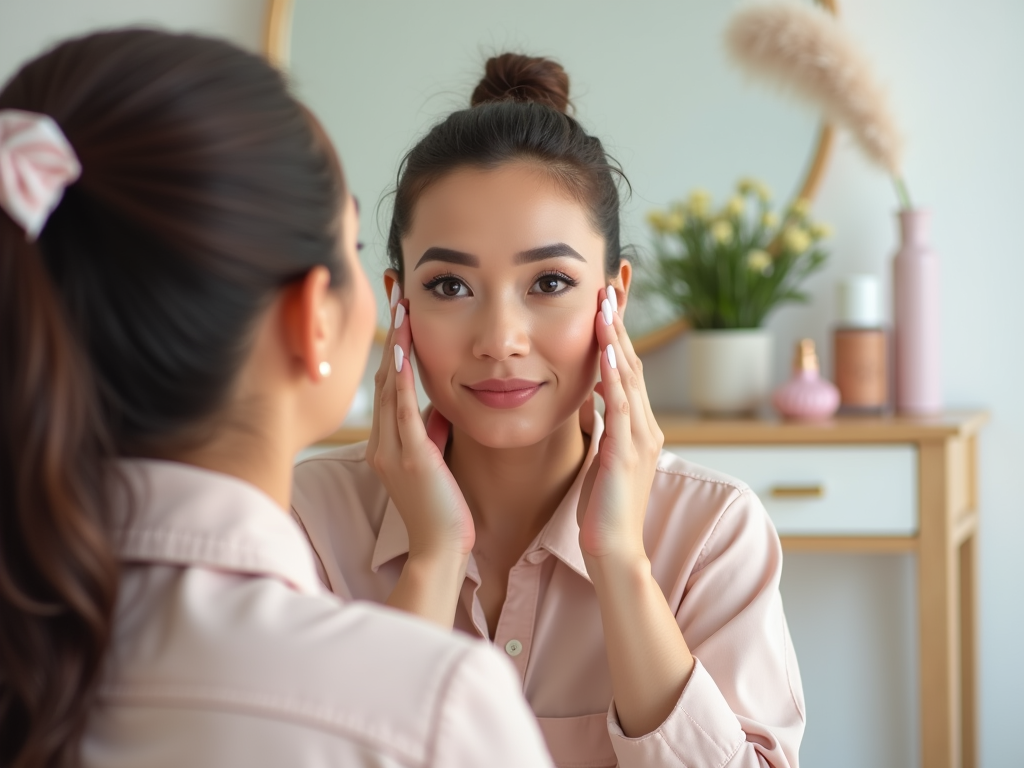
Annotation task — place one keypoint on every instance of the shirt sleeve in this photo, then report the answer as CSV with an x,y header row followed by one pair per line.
x,y
743,704
484,719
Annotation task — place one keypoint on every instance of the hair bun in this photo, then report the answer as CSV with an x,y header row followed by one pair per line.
x,y
514,77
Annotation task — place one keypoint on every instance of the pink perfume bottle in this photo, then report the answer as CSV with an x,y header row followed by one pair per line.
x,y
806,396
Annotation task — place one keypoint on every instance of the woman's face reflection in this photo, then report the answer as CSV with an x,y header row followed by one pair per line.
x,y
503,270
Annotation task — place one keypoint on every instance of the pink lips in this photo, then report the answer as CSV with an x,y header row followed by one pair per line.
x,y
504,393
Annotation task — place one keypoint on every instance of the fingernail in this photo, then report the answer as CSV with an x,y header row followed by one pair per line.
x,y
396,294
608,349
613,298
400,358
399,316
606,311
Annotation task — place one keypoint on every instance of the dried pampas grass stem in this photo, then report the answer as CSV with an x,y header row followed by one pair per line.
x,y
806,50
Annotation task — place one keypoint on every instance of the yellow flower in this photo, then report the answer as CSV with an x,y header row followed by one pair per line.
x,y
770,220
796,240
820,231
759,261
700,202
675,221
658,221
721,231
801,207
750,186
735,206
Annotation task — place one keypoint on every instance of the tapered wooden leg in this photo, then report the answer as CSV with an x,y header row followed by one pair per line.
x,y
939,615
969,650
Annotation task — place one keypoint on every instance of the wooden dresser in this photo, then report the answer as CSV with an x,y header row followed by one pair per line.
x,y
872,485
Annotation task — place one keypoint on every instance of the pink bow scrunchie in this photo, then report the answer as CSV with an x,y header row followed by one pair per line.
x,y
36,164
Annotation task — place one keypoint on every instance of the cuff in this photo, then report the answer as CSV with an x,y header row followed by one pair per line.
x,y
700,732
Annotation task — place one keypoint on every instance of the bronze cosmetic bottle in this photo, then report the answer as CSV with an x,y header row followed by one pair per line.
x,y
860,348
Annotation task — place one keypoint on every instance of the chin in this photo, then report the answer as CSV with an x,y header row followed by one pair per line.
x,y
504,430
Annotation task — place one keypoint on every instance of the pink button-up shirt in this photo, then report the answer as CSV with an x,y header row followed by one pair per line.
x,y
228,651
713,551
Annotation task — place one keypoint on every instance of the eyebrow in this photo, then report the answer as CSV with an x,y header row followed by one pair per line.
x,y
548,252
448,255
523,257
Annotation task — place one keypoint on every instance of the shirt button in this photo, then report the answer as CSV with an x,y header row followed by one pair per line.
x,y
513,647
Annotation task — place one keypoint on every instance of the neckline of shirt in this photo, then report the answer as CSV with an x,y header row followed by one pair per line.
x,y
185,515
560,535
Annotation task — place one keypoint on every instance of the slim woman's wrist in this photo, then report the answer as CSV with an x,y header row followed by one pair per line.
x,y
430,585
621,568
439,561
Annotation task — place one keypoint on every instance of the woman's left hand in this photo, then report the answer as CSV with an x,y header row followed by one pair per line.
x,y
613,500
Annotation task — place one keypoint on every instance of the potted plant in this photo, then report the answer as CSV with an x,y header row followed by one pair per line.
x,y
725,271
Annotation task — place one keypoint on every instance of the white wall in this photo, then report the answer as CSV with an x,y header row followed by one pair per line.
x,y
956,71
28,27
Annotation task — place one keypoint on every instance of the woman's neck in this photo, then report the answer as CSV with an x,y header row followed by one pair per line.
x,y
513,492
260,457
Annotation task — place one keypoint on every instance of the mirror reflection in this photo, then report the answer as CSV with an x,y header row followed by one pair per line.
x,y
674,111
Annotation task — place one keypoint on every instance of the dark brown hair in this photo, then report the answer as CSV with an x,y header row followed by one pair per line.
x,y
203,192
517,112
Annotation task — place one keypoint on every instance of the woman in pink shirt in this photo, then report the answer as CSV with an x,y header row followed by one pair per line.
x,y
635,593
182,310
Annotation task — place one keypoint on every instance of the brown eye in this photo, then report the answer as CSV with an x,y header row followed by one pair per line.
x,y
551,284
449,288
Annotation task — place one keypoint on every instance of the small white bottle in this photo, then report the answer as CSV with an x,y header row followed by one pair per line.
x,y
860,348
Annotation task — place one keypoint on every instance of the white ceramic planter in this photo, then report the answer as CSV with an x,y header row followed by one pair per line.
x,y
729,370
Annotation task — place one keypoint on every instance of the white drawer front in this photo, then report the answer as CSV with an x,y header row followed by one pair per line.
x,y
864,490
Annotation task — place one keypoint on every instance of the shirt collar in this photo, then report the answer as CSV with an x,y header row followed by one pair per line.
x,y
185,515
560,536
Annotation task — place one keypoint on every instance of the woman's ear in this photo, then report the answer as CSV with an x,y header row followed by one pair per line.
x,y
621,283
309,319
391,279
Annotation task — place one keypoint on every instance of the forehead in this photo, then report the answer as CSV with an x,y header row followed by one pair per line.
x,y
505,210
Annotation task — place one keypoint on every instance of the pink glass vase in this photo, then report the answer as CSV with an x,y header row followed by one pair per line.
x,y
806,396
916,318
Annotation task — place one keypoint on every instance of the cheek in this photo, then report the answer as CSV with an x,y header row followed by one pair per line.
x,y
569,342
437,344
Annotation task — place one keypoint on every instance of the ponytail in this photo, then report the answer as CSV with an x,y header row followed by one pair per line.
x,y
58,573
204,190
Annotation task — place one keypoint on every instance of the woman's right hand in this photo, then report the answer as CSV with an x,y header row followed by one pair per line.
x,y
408,457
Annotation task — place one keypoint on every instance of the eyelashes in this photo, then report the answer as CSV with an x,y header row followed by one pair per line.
x,y
446,281
557,277
454,287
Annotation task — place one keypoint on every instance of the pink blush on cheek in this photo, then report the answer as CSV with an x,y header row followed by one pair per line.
x,y
437,352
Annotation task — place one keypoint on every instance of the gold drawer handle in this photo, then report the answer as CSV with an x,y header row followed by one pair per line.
x,y
797,491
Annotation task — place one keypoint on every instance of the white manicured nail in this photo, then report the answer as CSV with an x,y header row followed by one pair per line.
x,y
608,349
613,298
606,311
399,316
396,294
400,358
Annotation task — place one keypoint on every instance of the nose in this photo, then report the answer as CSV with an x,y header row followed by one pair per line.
x,y
502,330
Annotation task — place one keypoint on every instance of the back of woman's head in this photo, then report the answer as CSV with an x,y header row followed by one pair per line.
x,y
518,112
203,191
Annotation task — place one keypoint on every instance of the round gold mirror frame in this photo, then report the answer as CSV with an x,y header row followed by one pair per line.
x,y
277,38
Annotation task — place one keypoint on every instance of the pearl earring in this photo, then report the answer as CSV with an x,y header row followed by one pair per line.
x,y
325,369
